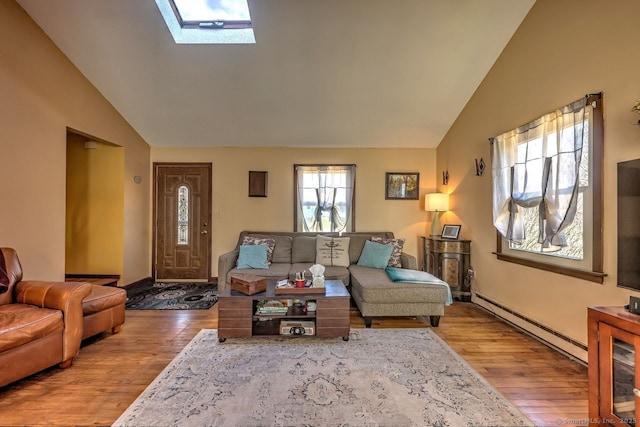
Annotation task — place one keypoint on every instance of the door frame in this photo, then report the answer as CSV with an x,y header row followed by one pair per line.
x,y
155,213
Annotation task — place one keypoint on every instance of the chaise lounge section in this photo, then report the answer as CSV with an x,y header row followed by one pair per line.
x,y
372,290
103,310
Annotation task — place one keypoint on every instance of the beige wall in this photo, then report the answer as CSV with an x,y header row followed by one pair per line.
x,y
563,50
42,95
234,211
95,206
593,44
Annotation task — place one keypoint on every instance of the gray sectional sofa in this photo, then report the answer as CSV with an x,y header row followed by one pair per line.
x,y
371,288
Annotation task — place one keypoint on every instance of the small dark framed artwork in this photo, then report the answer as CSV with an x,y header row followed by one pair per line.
x,y
402,186
257,184
450,231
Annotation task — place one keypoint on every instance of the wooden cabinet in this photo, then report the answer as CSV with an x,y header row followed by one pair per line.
x,y
449,260
614,351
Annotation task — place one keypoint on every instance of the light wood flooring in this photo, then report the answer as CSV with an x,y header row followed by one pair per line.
x,y
112,370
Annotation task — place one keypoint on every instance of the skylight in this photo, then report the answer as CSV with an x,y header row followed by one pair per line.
x,y
213,13
207,21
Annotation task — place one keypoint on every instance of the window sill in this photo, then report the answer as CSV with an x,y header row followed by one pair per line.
x,y
592,276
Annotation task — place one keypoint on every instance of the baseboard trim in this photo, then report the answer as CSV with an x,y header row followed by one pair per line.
x,y
94,279
150,280
566,345
92,276
146,280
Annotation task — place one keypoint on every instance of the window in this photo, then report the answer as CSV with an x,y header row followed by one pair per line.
x,y
547,191
324,198
183,215
208,21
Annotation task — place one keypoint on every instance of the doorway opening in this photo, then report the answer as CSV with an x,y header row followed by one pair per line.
x,y
94,233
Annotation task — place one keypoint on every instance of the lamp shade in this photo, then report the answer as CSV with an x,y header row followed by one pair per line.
x,y
436,202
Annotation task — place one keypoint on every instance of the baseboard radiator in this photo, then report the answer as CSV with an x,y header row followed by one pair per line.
x,y
554,339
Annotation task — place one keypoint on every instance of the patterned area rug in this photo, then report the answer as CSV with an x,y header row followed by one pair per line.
x,y
172,296
380,377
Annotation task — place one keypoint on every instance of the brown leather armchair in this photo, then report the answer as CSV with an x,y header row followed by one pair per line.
x,y
40,322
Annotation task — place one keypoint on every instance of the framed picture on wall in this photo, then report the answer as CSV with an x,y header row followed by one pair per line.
x,y
450,231
402,186
257,184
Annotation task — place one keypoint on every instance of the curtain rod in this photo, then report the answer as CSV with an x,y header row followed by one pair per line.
x,y
590,98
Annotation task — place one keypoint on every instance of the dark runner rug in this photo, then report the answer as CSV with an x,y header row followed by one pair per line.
x,y
172,296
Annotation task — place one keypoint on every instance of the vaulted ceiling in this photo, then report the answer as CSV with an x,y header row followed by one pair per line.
x,y
322,73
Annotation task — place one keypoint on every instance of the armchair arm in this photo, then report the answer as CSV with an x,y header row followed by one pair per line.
x,y
408,261
64,296
226,262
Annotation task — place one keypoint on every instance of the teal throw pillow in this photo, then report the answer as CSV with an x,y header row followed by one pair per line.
x,y
253,256
375,255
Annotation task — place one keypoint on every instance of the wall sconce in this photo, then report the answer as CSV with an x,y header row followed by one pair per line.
x,y
445,177
436,202
480,166
636,109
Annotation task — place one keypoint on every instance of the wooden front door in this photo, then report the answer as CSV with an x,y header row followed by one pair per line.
x,y
182,214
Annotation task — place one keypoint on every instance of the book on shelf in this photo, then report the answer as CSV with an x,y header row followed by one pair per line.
x,y
271,307
272,310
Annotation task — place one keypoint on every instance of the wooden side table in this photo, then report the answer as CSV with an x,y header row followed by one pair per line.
x,y
449,260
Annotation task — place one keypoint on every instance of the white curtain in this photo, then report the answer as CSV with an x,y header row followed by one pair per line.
x,y
539,165
325,197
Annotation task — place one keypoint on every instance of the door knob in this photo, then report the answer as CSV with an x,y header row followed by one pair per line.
x,y
204,232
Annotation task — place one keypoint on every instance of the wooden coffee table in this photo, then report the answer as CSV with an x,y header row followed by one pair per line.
x,y
237,312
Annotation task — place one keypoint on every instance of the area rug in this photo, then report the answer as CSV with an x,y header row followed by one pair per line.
x,y
380,377
172,296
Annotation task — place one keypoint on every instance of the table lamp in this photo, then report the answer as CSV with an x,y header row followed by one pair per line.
x,y
436,202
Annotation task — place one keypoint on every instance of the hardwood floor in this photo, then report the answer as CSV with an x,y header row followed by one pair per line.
x,y
112,370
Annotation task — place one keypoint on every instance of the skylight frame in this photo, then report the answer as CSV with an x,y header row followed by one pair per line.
x,y
206,24
201,35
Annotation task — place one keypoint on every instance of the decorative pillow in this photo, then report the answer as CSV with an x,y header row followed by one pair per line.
x,y
375,255
398,244
4,277
253,256
250,240
332,251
